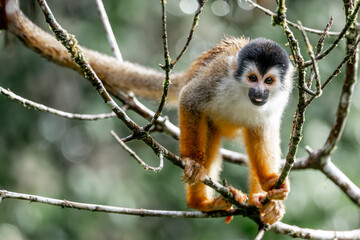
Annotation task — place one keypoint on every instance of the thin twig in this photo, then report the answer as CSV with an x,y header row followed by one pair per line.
x,y
168,64
40,107
350,53
271,14
167,68
137,158
319,47
315,66
109,32
192,29
320,43
349,23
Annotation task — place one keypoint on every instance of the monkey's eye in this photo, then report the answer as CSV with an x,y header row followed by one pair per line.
x,y
252,78
269,80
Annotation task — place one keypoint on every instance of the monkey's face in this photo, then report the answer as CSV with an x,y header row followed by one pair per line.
x,y
264,71
261,88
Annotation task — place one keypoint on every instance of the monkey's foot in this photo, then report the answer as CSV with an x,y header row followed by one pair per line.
x,y
220,203
271,212
194,172
239,196
217,204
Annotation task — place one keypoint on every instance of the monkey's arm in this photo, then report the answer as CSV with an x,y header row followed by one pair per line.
x,y
263,148
126,76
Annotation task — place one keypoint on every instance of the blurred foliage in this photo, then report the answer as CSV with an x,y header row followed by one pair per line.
x,y
56,157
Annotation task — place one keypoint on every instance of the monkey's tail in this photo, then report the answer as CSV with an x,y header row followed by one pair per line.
x,y
126,76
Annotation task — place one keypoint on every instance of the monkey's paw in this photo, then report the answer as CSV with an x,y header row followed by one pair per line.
x,y
277,194
194,172
271,212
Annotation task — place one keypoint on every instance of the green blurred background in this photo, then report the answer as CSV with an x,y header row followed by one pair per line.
x,y
51,156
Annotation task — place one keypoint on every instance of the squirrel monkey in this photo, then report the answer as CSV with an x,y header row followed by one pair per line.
x,y
238,85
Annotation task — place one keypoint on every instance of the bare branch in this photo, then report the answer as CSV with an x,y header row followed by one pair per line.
x,y
168,64
167,68
108,30
306,233
260,234
278,227
111,209
40,107
234,157
314,63
349,55
137,158
320,43
192,29
341,180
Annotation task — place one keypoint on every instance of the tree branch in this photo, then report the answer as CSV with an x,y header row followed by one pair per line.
x,y
306,233
40,107
111,209
167,67
137,158
342,181
299,120
278,227
108,30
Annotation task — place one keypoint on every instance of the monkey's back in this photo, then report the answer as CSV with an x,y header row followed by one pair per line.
x,y
227,47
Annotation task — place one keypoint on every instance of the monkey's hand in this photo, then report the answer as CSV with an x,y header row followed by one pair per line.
x,y
276,194
271,212
194,172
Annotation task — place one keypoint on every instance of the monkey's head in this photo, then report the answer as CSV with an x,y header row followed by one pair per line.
x,y
265,70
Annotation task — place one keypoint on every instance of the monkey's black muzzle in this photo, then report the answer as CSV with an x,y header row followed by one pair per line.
x,y
258,96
